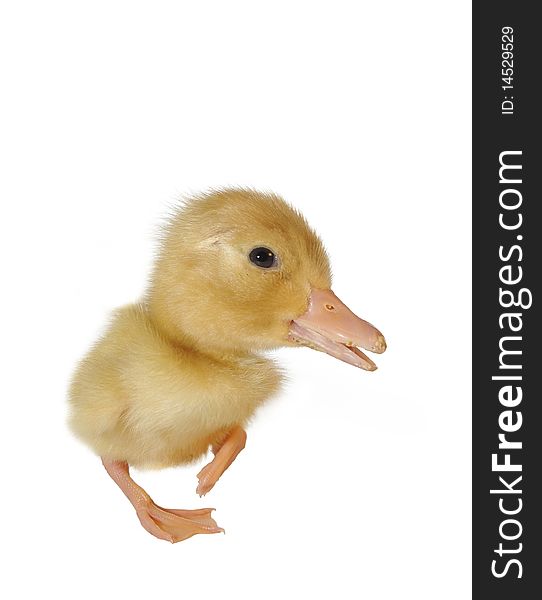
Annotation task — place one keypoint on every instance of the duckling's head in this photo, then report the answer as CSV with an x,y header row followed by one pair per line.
x,y
241,271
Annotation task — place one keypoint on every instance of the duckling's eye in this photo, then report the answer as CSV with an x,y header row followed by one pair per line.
x,y
262,257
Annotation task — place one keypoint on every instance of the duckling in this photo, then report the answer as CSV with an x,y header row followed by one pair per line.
x,y
238,273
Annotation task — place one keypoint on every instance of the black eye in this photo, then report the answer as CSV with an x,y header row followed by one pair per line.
x,y
262,257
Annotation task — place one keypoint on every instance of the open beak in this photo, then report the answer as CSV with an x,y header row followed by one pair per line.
x,y
331,327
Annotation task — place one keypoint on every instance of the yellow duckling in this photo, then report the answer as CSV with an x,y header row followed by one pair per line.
x,y
239,272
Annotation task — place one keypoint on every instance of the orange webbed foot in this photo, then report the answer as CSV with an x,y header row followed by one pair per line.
x,y
168,524
175,525
225,454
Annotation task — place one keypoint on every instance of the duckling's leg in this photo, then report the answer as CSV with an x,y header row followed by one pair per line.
x,y
165,524
225,453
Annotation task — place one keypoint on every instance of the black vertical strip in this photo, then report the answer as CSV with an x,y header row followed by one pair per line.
x,y
507,51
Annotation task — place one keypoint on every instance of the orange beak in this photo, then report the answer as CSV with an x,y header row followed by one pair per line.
x,y
331,327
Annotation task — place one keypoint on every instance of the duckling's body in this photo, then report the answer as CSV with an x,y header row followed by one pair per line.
x,y
140,398
239,272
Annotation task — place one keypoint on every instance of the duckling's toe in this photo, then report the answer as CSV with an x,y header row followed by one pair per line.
x,y
207,478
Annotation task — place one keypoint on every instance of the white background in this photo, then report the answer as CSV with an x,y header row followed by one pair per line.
x,y
352,485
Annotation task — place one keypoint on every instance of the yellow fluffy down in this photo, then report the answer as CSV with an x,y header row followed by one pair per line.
x,y
174,373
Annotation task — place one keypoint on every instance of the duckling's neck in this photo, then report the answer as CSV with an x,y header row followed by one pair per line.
x,y
236,377
183,341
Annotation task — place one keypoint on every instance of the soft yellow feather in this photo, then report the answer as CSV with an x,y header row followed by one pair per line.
x,y
175,372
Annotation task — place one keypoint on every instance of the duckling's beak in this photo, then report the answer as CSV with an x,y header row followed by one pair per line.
x,y
331,327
